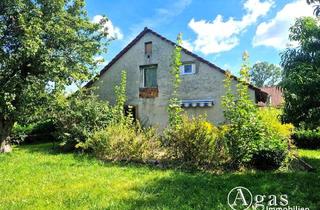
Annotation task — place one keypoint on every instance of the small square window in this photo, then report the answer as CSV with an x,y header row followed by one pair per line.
x,y
188,68
148,48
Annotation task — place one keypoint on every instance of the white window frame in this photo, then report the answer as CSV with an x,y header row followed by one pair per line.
x,y
193,69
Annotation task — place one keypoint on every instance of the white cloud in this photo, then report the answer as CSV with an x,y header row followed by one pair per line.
x,y
100,61
186,44
275,32
222,35
113,31
227,66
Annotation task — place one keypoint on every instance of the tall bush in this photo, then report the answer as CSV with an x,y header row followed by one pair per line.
x,y
271,118
245,129
249,137
125,142
121,97
78,116
307,138
193,142
174,108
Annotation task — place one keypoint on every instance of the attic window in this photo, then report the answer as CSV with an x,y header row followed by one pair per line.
x,y
188,68
148,48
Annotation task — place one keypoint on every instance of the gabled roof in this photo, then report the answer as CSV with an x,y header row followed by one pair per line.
x,y
147,30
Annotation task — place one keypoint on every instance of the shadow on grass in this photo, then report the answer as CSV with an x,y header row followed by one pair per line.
x,y
45,148
203,191
53,149
196,190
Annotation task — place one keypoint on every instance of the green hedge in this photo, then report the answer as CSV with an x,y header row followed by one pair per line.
x,y
39,132
308,139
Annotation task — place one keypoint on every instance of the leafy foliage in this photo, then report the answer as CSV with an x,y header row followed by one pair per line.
x,y
244,127
78,116
301,75
307,138
120,91
193,142
316,6
268,159
174,108
125,142
20,132
265,74
44,46
272,119
273,149
249,138
42,131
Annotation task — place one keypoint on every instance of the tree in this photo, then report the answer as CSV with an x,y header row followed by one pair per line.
x,y
241,114
44,46
265,74
316,6
250,139
301,74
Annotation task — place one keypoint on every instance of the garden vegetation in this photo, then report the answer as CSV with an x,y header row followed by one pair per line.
x,y
250,137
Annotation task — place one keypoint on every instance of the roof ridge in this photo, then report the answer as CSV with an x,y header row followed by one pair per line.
x,y
140,35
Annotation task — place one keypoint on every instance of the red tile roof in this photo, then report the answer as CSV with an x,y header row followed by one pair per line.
x,y
275,94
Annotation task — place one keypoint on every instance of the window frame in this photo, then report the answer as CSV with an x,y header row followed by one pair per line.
x,y
145,48
193,69
143,72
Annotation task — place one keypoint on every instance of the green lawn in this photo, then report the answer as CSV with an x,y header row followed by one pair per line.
x,y
35,177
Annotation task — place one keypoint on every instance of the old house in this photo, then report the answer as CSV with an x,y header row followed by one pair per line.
x,y
147,63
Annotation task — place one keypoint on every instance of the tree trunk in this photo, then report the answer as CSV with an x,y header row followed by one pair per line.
x,y
5,129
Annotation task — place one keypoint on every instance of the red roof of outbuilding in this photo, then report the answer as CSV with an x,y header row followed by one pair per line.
x,y
275,94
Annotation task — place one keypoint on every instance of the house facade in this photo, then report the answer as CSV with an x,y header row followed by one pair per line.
x,y
147,62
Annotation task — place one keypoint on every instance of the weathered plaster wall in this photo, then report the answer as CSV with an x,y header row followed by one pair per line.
x,y
207,83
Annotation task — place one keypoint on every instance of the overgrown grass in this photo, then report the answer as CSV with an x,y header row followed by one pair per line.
x,y
35,177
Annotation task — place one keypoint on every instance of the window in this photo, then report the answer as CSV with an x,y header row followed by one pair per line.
x,y
148,48
149,76
188,68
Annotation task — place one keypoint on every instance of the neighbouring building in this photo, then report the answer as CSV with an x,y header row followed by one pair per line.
x,y
149,86
275,97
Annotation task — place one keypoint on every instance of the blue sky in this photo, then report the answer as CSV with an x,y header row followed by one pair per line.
x,y
217,30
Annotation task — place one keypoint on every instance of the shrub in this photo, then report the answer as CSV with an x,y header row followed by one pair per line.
x,y
20,132
274,150
308,139
193,141
271,117
253,139
43,127
38,132
125,142
78,116
268,159
271,152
